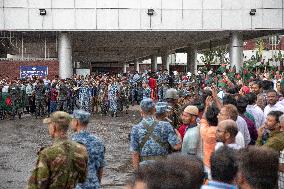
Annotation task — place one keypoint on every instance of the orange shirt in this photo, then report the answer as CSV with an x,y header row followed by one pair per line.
x,y
208,136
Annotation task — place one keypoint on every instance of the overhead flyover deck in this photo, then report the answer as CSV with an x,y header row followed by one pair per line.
x,y
126,31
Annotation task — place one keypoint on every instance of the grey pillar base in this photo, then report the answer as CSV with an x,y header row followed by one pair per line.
x,y
154,65
124,68
165,62
136,66
65,55
191,65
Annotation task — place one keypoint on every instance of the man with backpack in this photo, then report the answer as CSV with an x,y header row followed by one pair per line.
x,y
151,140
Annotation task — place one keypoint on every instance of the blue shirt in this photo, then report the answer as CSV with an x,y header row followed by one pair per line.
x,y
218,185
96,153
163,130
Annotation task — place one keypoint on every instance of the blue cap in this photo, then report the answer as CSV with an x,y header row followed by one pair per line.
x,y
81,115
147,105
162,107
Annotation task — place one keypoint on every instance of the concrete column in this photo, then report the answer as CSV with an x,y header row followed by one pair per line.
x,y
154,63
124,67
236,51
136,66
65,55
165,62
191,65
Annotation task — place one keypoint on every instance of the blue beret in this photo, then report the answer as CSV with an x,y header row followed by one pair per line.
x,y
81,115
162,107
147,105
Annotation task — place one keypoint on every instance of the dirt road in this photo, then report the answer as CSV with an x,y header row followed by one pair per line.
x,y
21,139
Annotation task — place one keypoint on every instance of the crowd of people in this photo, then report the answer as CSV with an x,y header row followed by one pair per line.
x,y
217,129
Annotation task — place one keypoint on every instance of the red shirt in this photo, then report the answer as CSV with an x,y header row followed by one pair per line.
x,y
53,95
152,83
182,129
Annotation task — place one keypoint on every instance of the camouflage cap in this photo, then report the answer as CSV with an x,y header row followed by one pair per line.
x,y
147,105
81,115
58,117
162,107
171,94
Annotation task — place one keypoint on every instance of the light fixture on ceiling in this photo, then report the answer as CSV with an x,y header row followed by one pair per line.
x,y
42,12
252,12
151,12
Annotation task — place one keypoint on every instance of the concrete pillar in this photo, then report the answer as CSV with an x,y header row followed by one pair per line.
x,y
136,66
154,63
65,55
124,67
191,65
165,62
236,51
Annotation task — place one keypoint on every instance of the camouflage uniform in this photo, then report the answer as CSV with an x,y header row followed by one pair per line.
x,y
124,97
62,97
85,96
161,136
174,116
113,95
103,99
15,94
146,92
39,99
96,154
62,165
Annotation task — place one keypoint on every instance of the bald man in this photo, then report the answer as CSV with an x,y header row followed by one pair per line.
x,y
226,133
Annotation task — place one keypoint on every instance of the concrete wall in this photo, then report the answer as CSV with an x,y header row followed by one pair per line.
x,y
132,14
12,68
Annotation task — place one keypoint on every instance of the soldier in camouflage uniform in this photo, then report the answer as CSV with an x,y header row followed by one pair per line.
x,y
124,97
113,95
151,140
14,91
103,99
95,148
62,96
172,99
85,96
39,98
62,165
146,91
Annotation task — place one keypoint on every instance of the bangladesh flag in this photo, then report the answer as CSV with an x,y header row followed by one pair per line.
x,y
6,102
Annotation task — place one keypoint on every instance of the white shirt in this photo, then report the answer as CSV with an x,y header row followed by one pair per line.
x,y
234,146
257,113
5,89
275,107
240,140
243,128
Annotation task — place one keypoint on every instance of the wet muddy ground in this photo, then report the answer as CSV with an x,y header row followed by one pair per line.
x,y
21,139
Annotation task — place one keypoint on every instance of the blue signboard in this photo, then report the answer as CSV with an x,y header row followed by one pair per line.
x,y
27,71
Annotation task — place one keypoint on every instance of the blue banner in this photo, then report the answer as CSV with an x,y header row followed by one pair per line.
x,y
27,71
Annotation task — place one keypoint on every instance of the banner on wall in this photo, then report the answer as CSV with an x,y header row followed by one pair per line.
x,y
28,71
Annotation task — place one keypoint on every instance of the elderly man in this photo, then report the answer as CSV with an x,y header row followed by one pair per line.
x,y
95,148
229,111
64,163
226,133
150,139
